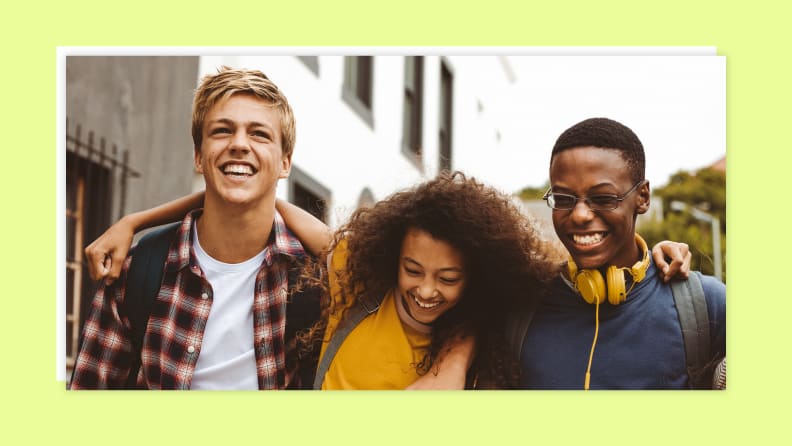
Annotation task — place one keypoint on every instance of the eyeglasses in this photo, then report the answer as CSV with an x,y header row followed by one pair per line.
x,y
598,202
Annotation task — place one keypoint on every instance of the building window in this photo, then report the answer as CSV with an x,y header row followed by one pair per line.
x,y
358,86
312,62
308,194
96,174
87,213
412,130
75,206
446,115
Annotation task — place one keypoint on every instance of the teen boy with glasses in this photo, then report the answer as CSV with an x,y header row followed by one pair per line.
x,y
609,321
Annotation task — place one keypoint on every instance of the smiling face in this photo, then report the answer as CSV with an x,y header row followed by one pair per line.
x,y
241,156
431,276
597,239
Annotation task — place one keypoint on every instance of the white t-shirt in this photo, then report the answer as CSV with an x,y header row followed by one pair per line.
x,y
227,360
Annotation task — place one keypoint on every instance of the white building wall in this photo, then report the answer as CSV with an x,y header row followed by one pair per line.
x,y
343,153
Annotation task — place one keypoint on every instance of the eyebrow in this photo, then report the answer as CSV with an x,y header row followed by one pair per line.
x,y
566,189
452,269
247,124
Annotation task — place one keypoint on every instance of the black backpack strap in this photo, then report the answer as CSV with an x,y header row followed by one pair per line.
x,y
692,310
144,279
352,317
517,327
303,309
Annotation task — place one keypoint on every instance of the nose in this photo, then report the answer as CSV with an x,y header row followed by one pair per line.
x,y
239,144
582,213
427,289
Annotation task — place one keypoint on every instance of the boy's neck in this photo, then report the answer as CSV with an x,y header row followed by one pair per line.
x,y
233,233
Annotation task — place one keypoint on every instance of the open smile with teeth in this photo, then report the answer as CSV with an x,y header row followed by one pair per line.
x,y
589,239
423,304
237,169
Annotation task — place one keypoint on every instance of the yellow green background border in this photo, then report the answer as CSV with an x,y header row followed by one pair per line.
x,y
754,40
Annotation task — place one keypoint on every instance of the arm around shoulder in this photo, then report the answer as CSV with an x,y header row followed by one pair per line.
x,y
105,255
312,232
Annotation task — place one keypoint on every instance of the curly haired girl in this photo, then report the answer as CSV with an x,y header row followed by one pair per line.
x,y
447,258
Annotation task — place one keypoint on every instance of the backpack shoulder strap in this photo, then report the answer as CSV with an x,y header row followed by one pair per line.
x,y
303,309
517,328
143,283
692,310
353,316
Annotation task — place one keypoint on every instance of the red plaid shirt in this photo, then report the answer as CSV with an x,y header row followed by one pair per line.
x,y
178,317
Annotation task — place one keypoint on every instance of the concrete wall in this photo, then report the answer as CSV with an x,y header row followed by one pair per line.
x,y
142,104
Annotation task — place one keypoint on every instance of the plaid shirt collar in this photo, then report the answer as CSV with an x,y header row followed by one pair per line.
x,y
281,242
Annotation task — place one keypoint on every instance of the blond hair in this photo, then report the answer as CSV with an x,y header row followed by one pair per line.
x,y
230,81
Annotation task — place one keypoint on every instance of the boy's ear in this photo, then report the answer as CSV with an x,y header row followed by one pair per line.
x,y
644,198
197,160
285,168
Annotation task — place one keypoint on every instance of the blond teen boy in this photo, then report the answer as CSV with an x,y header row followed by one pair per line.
x,y
219,320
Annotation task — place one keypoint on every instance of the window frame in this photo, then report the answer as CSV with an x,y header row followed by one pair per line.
x,y
358,87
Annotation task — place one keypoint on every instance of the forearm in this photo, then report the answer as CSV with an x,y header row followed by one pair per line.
x,y
106,254
312,232
458,356
165,213
449,371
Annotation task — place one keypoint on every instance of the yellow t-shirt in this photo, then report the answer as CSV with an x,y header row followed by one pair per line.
x,y
380,353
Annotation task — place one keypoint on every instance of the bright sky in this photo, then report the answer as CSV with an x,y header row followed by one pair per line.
x,y
675,104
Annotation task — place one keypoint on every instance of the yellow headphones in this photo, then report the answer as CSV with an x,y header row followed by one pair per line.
x,y
591,286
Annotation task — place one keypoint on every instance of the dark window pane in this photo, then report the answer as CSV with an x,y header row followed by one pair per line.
x,y
69,334
71,190
357,90
446,107
409,73
69,290
310,202
413,106
364,80
71,225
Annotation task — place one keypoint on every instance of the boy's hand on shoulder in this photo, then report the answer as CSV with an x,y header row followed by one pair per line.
x,y
105,255
679,255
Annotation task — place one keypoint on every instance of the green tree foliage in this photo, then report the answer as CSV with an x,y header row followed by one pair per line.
x,y
533,193
705,190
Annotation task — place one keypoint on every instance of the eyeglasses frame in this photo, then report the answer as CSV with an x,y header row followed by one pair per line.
x,y
619,198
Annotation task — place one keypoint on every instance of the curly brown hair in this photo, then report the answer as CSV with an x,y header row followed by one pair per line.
x,y
507,263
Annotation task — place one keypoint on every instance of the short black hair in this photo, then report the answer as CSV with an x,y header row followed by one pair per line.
x,y
606,134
